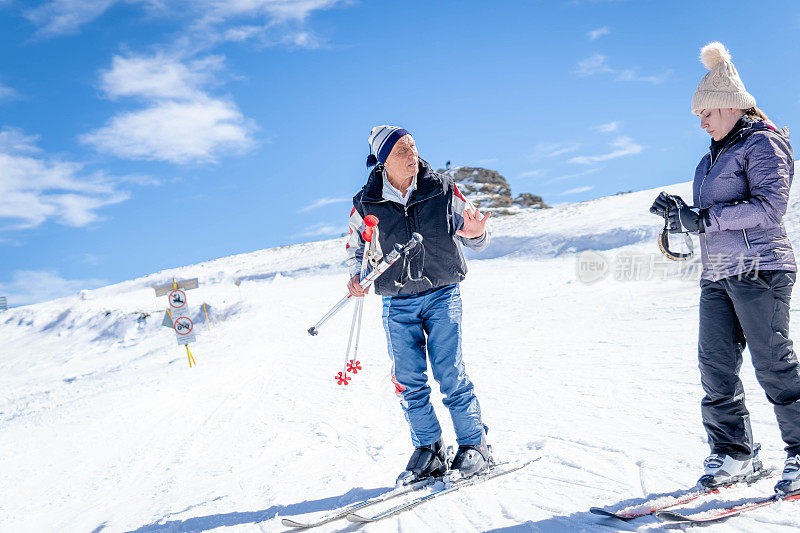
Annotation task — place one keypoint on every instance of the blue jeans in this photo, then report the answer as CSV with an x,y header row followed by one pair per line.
x,y
430,321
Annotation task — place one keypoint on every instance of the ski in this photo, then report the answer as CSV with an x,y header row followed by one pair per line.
x,y
497,470
723,513
662,502
341,512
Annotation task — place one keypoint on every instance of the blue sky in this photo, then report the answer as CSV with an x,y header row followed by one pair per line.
x,y
138,135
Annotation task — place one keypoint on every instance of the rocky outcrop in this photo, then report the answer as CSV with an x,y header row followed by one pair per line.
x,y
490,191
527,199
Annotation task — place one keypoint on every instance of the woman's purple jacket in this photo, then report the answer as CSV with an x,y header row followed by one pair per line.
x,y
746,189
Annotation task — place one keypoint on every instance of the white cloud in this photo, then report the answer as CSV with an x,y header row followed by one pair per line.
x,y
179,132
608,127
34,286
35,188
598,64
633,75
546,150
624,146
14,140
64,17
180,123
281,10
159,77
577,190
531,173
202,22
323,229
7,93
571,176
322,202
488,161
599,32
90,259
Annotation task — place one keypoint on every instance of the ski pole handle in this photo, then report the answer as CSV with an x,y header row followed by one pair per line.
x,y
371,227
370,221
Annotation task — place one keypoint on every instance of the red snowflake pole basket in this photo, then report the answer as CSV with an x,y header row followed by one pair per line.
x,y
353,366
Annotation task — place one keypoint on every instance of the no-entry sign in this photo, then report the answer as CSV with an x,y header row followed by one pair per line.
x,y
183,325
177,299
184,329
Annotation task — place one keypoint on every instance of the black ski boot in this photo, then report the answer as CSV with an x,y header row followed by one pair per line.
x,y
426,461
471,459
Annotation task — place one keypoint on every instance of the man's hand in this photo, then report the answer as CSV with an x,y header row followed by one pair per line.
x,y
474,225
355,287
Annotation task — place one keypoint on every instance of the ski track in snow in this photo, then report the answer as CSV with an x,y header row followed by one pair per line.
x,y
105,428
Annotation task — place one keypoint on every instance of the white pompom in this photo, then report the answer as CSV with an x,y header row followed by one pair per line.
x,y
713,54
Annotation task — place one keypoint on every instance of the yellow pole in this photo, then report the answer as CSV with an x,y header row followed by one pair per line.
x,y
206,312
191,358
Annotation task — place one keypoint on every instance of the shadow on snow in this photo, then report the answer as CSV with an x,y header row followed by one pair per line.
x,y
205,523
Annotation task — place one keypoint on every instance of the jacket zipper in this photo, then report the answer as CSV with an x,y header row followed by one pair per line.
x,y
405,219
700,201
700,197
746,242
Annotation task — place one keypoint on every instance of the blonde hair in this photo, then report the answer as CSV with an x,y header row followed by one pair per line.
x,y
755,112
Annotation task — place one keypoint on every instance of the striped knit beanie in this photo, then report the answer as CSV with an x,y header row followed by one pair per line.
x,y
381,141
721,88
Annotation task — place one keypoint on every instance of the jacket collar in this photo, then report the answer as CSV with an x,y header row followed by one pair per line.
x,y
428,185
745,127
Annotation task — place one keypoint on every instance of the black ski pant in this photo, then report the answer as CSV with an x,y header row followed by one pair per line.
x,y
751,309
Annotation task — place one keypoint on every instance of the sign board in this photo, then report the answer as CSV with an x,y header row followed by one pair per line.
x,y
184,329
3,303
183,325
176,315
185,284
179,325
177,300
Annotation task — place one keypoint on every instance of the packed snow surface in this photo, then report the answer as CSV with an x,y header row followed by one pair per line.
x,y
104,427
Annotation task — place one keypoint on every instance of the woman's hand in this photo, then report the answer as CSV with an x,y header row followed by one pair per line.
x,y
680,217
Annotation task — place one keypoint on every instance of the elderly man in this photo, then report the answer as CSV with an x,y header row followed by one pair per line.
x,y
421,298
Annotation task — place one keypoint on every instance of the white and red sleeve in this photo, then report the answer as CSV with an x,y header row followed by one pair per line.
x,y
355,244
459,203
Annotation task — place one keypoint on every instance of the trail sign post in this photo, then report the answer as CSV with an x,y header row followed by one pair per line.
x,y
166,288
177,314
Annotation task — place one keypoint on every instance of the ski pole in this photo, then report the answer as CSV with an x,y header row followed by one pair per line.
x,y
355,327
370,234
358,333
390,259
370,221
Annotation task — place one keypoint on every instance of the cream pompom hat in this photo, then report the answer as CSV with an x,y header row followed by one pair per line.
x,y
721,88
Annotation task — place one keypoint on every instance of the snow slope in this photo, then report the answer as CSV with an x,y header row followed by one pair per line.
x,y
104,427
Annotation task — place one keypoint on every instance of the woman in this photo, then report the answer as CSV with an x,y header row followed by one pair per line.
x,y
741,189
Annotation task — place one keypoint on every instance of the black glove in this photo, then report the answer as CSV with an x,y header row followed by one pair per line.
x,y
680,217
662,205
